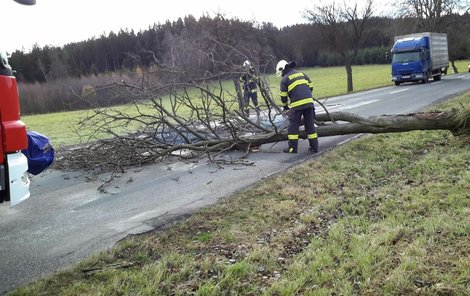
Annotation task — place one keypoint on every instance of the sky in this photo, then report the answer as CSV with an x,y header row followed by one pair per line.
x,y
58,22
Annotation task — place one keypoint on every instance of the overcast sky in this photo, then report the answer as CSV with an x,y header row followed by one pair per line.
x,y
58,22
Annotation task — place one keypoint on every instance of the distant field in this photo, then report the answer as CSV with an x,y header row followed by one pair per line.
x,y
331,81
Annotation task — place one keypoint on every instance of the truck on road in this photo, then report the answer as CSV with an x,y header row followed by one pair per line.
x,y
419,57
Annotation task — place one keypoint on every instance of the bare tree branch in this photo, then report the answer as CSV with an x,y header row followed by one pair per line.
x,y
342,29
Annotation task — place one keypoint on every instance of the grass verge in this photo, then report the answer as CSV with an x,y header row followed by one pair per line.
x,y
383,215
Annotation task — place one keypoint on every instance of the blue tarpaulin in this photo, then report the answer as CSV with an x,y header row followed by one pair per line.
x,y
40,153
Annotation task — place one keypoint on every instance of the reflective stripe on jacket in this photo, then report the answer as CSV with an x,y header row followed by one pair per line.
x,y
297,87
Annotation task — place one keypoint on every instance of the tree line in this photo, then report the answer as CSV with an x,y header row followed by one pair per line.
x,y
169,41
52,78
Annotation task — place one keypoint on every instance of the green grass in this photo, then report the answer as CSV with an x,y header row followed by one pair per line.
x,y
331,81
462,66
62,128
386,214
59,127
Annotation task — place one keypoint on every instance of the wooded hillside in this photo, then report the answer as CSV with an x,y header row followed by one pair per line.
x,y
174,43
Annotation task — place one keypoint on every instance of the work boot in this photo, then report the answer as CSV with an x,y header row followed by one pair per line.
x,y
289,150
313,145
312,150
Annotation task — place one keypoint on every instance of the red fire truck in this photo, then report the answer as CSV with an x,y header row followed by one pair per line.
x,y
14,181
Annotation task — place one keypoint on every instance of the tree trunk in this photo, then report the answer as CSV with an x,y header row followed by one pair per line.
x,y
239,91
349,77
376,124
452,62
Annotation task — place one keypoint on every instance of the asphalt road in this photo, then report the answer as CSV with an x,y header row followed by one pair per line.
x,y
67,218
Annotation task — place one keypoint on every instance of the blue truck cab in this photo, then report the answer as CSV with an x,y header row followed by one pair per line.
x,y
419,57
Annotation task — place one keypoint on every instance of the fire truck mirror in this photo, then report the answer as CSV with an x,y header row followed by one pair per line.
x,y
26,2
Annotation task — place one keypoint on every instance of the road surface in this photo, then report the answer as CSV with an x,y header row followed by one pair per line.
x,y
67,218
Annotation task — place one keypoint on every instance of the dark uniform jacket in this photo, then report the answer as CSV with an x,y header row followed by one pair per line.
x,y
298,87
249,81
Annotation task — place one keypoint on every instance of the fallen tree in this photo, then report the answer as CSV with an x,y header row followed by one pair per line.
x,y
123,151
198,115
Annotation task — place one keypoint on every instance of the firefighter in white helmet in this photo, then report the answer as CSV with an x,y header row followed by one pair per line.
x,y
297,87
250,87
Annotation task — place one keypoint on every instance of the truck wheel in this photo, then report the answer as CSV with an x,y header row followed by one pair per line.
x,y
4,193
425,79
397,83
4,196
437,77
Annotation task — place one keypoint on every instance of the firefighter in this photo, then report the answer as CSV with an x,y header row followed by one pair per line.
x,y
250,87
297,87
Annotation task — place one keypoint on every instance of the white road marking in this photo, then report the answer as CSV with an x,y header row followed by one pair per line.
x,y
397,91
345,107
333,107
359,104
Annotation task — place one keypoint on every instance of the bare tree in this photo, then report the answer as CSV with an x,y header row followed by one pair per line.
x,y
457,41
432,15
342,28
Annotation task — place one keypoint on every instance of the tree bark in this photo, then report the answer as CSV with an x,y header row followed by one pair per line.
x,y
239,91
344,123
349,76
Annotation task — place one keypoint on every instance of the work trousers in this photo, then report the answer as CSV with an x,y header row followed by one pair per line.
x,y
253,95
295,120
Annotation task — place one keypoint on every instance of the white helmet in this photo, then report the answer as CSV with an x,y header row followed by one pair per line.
x,y
247,64
281,65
